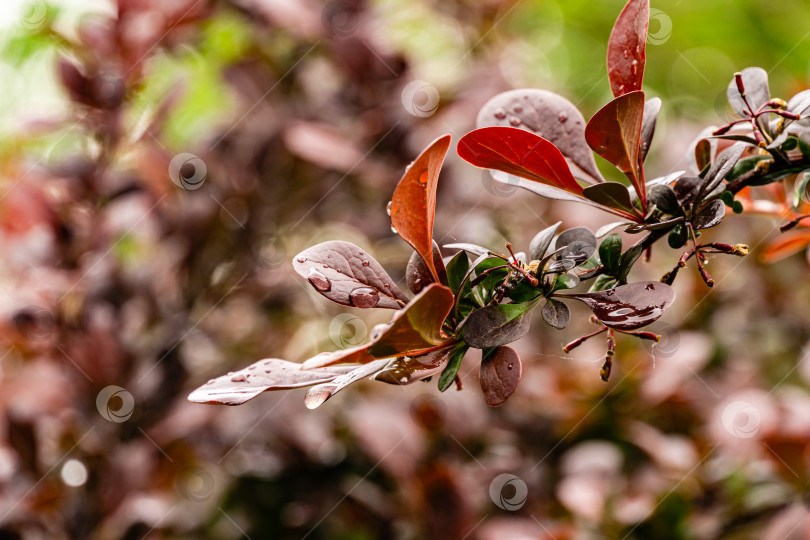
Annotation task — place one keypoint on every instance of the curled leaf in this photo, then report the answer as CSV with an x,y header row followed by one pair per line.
x,y
413,204
417,273
710,215
626,54
628,307
500,374
541,241
318,394
346,274
409,369
548,115
651,109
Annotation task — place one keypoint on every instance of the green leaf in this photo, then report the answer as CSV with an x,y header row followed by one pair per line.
x,y
493,326
678,237
800,188
610,251
457,269
611,194
449,374
627,260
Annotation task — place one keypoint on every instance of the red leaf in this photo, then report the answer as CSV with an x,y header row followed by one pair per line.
x,y
519,152
414,202
626,53
500,374
614,133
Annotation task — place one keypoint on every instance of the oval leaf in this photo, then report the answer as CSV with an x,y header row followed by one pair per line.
x,y
270,374
556,314
577,245
548,115
628,307
346,274
318,394
500,374
665,199
755,80
541,241
610,251
413,205
626,53
710,215
721,167
519,152
417,273
612,194
418,326
651,109
492,326
614,133
409,369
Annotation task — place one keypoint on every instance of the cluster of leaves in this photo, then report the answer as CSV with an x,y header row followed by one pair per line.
x,y
478,298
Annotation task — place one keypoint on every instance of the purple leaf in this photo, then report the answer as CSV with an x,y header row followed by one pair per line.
x,y
346,274
500,374
628,307
409,369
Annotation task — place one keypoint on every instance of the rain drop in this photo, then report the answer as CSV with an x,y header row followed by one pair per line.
x,y
634,67
318,280
518,108
509,367
302,259
364,297
211,381
318,394
562,117
626,53
239,377
600,149
393,230
650,287
388,207
365,263
514,120
500,114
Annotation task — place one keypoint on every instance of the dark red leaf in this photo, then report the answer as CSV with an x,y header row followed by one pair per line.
x,y
409,369
626,53
346,274
519,152
270,374
418,326
628,307
548,115
614,133
651,109
414,202
355,355
500,374
417,273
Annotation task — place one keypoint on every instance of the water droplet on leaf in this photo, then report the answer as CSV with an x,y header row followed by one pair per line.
x,y
514,120
388,207
318,394
239,377
364,297
318,280
562,117
500,114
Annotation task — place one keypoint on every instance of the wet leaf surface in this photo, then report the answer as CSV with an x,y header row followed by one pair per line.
x,y
577,245
628,307
686,189
475,249
346,274
710,215
519,152
418,275
722,165
413,204
317,395
614,133
548,115
652,107
610,251
453,364
556,314
542,240
626,54
418,326
500,374
409,369
492,326
665,198
612,194
457,269
238,387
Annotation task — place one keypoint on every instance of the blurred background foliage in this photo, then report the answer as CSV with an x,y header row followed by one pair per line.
x,y
304,115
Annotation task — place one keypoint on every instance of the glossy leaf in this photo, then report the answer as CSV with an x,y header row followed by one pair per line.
x,y
457,269
626,53
500,374
604,229
757,92
678,237
612,194
722,165
453,364
519,152
417,273
318,394
270,374
703,154
577,245
475,249
710,215
664,197
548,115
556,314
492,326
542,240
413,204
409,369
627,260
354,355
652,107
614,133
346,274
418,326
628,307
610,251
686,189
800,188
